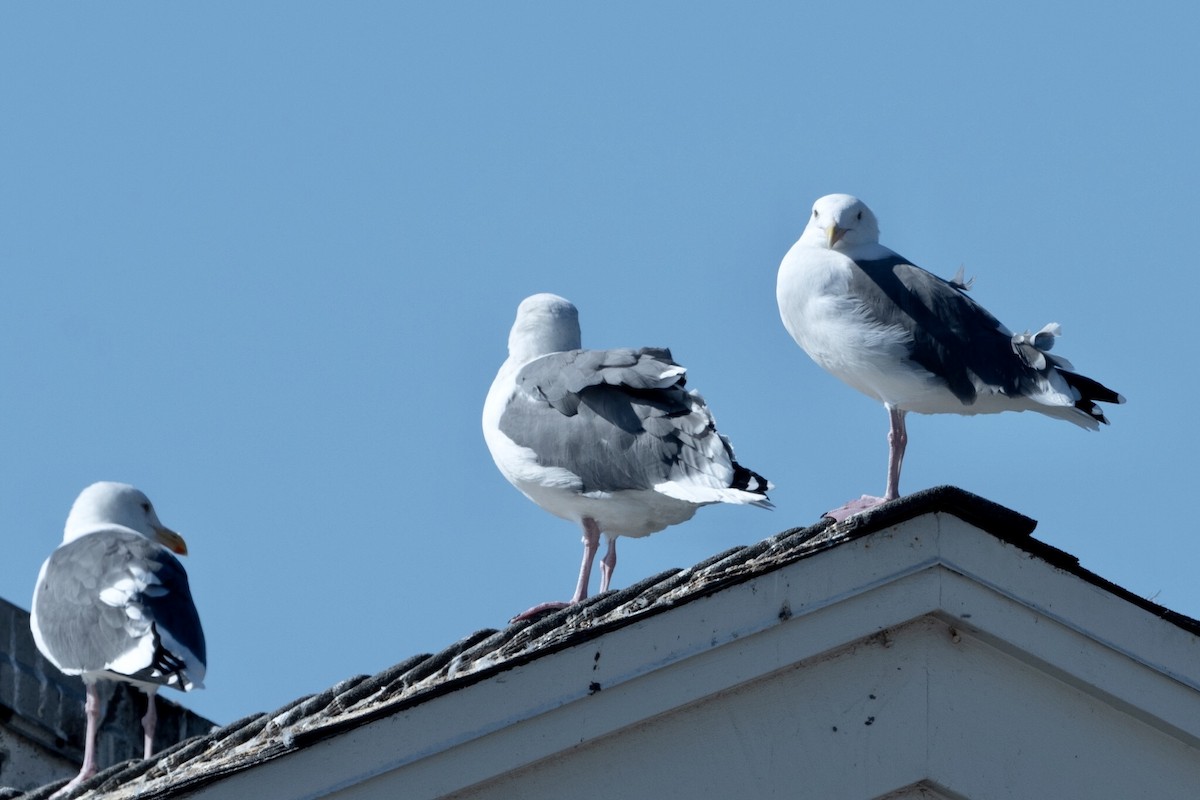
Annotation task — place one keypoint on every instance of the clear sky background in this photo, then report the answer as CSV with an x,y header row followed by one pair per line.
x,y
261,260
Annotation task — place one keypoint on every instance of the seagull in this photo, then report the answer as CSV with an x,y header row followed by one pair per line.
x,y
914,341
608,439
111,602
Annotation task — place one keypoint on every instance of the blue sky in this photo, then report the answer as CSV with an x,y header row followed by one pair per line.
x,y
261,261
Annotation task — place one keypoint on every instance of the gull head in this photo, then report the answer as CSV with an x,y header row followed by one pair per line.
x,y
546,323
840,222
107,504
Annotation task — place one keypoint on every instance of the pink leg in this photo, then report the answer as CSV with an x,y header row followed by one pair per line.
x,y
91,712
608,564
591,543
150,722
897,442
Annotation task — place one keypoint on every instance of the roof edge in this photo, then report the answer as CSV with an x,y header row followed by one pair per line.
x,y
984,514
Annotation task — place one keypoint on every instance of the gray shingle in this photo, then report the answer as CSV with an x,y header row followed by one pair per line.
x,y
358,700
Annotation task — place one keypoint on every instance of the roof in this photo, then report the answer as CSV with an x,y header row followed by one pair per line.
x,y
358,701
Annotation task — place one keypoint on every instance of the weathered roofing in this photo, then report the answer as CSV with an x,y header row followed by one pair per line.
x,y
260,738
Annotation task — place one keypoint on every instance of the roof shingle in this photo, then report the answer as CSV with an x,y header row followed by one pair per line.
x,y
361,699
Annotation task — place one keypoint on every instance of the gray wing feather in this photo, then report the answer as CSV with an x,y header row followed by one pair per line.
x,y
560,378
953,337
85,633
619,419
962,344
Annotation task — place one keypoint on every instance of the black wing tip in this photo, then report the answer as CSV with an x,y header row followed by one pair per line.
x,y
1089,407
1091,392
747,480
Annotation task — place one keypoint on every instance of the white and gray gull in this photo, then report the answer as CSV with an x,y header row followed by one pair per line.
x,y
608,439
112,602
914,341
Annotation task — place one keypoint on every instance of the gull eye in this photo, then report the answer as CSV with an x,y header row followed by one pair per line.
x,y
146,507
859,215
816,214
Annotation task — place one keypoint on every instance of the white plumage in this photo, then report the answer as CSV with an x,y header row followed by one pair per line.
x,y
112,602
608,439
913,341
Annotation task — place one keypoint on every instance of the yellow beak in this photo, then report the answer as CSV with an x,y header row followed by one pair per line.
x,y
835,234
171,540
